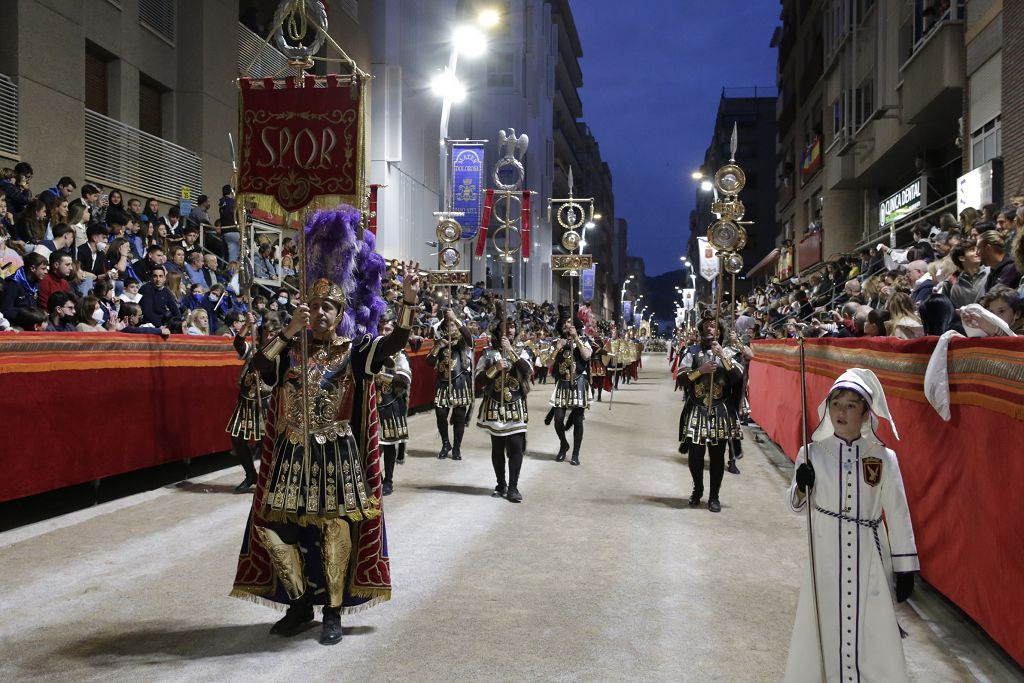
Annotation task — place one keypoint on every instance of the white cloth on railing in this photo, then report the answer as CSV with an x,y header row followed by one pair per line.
x,y
936,377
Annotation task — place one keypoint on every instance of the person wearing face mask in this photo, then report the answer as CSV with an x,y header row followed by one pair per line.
x,y
89,315
92,254
62,311
709,424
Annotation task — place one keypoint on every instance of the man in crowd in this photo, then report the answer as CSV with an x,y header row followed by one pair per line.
x,y
191,240
194,270
92,255
16,188
63,242
21,289
56,280
229,226
158,304
62,190
61,308
922,249
992,251
921,282
154,257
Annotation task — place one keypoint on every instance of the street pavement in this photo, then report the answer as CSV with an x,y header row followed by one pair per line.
x,y
601,574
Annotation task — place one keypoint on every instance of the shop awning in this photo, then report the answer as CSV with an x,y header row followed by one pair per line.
x,y
765,263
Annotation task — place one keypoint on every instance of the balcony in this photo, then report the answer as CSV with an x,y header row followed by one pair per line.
x,y
933,76
260,60
8,117
118,155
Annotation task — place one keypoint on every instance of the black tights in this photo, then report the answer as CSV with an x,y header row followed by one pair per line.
x,y
696,455
458,423
390,453
576,420
511,447
243,452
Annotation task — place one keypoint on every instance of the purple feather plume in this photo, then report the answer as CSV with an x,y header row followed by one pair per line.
x,y
333,251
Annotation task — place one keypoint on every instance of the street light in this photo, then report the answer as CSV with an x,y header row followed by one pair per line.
x,y
706,186
489,17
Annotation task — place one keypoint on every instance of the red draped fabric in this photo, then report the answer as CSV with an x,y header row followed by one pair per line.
x,y
963,477
79,407
423,376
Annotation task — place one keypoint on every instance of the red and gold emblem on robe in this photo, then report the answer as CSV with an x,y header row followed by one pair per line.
x,y
872,471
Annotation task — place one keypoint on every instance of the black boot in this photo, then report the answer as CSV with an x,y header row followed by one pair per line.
x,y
446,448
562,451
695,497
330,630
714,505
400,460
294,621
500,490
387,488
575,459
514,496
731,468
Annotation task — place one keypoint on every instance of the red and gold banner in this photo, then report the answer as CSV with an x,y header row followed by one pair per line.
x,y
526,225
962,477
301,141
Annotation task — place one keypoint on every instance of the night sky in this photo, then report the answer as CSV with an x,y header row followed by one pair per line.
x,y
650,93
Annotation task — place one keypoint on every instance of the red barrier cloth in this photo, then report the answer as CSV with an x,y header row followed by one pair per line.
x,y
485,219
79,407
526,225
962,477
298,141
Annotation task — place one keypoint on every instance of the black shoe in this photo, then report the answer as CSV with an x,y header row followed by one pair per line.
x,y
695,498
562,453
330,630
389,488
445,450
598,399
575,459
400,461
550,416
294,621
731,467
499,491
245,486
514,496
739,455
714,505
456,455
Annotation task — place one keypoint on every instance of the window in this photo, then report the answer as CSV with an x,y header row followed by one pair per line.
x,y
160,17
96,80
863,103
500,69
987,142
839,117
151,117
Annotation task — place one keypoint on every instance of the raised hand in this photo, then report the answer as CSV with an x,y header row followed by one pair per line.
x,y
411,283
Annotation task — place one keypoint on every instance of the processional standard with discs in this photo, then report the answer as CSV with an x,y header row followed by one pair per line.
x,y
302,141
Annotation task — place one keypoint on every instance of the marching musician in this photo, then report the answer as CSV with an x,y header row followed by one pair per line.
x,y
393,383
571,360
506,369
708,422
452,359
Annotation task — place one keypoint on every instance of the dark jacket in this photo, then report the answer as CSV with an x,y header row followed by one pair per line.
x,y
921,292
1003,274
15,296
158,305
95,263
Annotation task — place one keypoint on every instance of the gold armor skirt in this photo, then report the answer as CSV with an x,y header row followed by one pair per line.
x,y
571,393
326,482
702,426
457,393
394,424
246,421
503,418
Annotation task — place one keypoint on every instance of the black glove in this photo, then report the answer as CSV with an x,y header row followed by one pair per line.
x,y
805,477
904,585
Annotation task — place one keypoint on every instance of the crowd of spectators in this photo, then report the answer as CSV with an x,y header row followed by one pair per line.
x,y
962,275
119,264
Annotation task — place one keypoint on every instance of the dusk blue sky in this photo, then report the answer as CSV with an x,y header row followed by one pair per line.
x,y
653,72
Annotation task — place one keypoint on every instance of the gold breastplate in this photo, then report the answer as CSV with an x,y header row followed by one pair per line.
x,y
328,387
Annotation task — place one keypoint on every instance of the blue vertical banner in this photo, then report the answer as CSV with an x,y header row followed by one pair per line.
x,y
587,284
636,320
627,312
468,185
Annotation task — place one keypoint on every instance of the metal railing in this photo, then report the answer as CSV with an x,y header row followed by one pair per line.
x,y
118,155
266,60
8,116
159,16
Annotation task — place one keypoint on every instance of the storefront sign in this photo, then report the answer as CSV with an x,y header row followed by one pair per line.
x,y
906,201
467,181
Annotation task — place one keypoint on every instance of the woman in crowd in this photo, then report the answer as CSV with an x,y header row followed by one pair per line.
x,y
119,258
198,323
30,225
103,290
89,315
78,218
877,323
152,212
176,288
904,323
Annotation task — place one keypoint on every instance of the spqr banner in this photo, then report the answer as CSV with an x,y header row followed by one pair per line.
x,y
467,185
709,263
300,141
587,285
636,320
627,311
